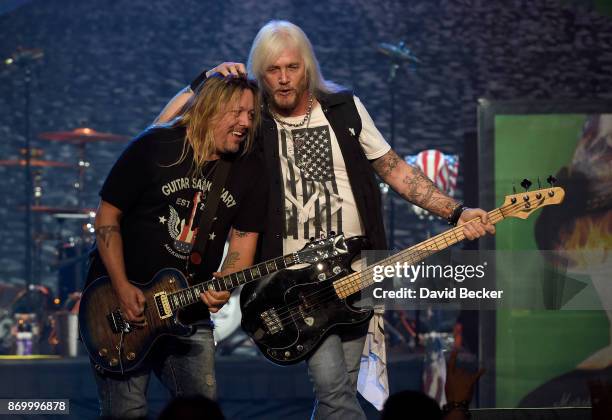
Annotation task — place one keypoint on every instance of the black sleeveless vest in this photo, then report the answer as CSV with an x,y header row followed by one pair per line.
x,y
341,112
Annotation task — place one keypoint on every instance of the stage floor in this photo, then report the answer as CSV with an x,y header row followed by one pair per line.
x,y
249,387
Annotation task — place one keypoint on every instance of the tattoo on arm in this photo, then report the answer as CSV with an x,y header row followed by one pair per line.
x,y
385,164
423,192
103,233
412,184
230,260
241,234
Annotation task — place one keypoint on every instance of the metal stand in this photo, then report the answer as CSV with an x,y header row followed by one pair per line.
x,y
23,58
398,54
28,185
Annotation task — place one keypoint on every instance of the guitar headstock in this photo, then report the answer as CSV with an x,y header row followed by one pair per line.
x,y
521,205
322,248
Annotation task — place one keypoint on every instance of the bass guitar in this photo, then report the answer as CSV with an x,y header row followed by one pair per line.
x,y
292,311
117,346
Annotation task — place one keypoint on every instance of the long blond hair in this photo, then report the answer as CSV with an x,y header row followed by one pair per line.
x,y
275,37
205,107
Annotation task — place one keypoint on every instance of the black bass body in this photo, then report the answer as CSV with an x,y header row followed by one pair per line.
x,y
289,313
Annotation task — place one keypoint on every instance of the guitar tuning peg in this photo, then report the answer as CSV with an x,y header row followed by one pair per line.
x,y
332,233
513,187
538,194
311,239
551,180
526,184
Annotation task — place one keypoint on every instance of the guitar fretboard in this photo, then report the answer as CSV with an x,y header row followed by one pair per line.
x,y
191,295
358,281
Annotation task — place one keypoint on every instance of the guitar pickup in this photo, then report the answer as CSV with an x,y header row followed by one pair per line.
x,y
272,321
163,305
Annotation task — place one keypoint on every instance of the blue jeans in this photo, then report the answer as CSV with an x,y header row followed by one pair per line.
x,y
184,365
333,369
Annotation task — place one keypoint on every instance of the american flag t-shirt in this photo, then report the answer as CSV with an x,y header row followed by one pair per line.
x,y
313,202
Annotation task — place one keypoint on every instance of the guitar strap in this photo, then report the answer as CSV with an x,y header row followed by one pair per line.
x,y
207,217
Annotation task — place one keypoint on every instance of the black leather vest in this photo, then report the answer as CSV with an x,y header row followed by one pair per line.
x,y
341,112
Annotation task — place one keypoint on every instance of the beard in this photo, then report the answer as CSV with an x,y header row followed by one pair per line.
x,y
287,103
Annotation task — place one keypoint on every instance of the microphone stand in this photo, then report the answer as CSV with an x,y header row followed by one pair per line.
x,y
23,59
397,54
28,178
390,203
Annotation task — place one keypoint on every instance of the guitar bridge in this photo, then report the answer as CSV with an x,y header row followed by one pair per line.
x,y
163,305
117,323
272,321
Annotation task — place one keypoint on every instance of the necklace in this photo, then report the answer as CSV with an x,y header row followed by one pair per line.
x,y
301,123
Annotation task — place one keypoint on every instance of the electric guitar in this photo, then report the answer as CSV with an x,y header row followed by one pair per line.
x,y
117,346
292,311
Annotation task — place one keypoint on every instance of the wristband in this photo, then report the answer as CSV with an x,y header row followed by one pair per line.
x,y
195,84
456,214
457,405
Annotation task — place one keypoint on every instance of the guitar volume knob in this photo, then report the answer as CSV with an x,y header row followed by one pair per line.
x,y
103,352
131,355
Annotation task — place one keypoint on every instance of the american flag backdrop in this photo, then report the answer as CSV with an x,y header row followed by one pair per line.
x,y
310,183
441,168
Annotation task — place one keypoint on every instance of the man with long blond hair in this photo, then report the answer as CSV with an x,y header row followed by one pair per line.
x,y
322,152
148,218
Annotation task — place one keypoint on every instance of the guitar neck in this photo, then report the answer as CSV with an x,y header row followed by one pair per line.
x,y
360,280
191,295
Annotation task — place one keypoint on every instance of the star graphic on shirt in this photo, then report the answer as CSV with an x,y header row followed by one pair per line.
x,y
162,220
211,236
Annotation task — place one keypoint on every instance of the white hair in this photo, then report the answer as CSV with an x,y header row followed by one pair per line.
x,y
275,37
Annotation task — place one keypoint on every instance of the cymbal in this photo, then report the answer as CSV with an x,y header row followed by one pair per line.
x,y
398,52
37,163
82,135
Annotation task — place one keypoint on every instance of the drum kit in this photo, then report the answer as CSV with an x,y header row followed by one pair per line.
x,y
32,319
34,314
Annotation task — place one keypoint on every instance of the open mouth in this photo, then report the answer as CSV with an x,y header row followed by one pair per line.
x,y
285,92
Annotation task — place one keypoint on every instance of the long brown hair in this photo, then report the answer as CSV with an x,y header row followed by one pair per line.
x,y
205,107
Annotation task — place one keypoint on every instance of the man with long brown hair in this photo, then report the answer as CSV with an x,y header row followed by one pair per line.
x,y
148,220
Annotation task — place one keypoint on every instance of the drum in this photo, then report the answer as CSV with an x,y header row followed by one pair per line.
x,y
72,264
6,340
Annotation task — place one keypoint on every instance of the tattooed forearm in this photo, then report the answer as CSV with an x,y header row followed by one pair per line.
x,y
103,233
385,164
241,234
230,260
412,184
421,191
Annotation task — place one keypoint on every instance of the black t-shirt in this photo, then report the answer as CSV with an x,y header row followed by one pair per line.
x,y
161,201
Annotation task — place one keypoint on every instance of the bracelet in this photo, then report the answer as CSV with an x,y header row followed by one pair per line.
x,y
457,405
195,84
456,214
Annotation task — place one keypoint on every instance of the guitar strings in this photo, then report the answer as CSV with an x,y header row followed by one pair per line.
x,y
205,284
330,293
